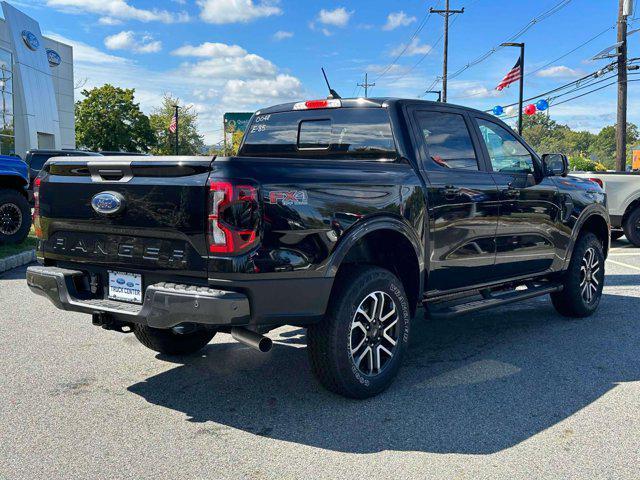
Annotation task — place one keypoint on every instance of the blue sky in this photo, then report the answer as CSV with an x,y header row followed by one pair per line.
x,y
240,55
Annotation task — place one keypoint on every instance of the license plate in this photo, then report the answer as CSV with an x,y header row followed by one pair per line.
x,y
126,287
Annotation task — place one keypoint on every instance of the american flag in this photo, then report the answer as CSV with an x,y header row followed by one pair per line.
x,y
173,126
513,76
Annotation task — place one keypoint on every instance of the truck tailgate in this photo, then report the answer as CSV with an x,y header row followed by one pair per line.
x,y
160,224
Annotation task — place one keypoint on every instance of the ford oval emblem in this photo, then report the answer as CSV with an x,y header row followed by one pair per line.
x,y
107,203
120,281
30,40
53,57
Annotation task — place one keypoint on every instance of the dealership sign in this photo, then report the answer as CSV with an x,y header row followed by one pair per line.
x,y
30,40
53,57
236,121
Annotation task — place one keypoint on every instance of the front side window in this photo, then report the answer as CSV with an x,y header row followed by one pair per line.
x,y
448,140
507,153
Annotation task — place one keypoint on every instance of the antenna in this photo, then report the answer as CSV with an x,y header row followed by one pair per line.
x,y
332,92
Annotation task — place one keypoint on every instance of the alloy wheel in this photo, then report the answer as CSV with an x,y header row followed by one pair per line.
x,y
589,276
374,333
10,219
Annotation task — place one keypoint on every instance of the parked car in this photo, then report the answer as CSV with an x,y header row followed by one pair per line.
x,y
36,158
15,213
623,201
340,215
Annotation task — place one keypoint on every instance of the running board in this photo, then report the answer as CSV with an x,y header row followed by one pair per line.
x,y
493,300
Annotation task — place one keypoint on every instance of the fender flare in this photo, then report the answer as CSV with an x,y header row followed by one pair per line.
x,y
593,210
365,227
628,201
4,173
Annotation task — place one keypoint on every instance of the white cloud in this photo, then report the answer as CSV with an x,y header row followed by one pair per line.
x,y
128,40
398,19
559,71
414,48
210,49
236,11
118,9
83,53
110,21
282,35
248,66
338,17
236,81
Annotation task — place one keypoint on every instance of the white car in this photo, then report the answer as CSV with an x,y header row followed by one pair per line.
x,y
623,201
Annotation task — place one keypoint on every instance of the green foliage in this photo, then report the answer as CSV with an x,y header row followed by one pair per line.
x,y
190,140
109,119
586,151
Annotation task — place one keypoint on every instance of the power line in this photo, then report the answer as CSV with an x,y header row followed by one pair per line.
x,y
421,25
552,61
543,16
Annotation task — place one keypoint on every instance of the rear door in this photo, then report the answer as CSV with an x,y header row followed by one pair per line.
x,y
529,223
462,199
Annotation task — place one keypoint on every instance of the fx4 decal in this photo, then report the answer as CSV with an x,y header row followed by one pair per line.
x,y
297,197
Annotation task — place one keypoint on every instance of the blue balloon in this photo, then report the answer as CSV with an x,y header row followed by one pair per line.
x,y
542,105
498,110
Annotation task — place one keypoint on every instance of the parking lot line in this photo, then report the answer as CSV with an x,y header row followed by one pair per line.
x,y
637,254
623,264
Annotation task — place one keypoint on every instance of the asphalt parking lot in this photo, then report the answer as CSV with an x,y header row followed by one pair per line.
x,y
517,392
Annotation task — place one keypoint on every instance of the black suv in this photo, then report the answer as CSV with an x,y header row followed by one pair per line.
x,y
341,216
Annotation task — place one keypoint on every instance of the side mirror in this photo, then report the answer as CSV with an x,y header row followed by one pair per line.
x,y
555,164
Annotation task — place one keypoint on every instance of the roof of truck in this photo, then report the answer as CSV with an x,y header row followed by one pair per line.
x,y
375,102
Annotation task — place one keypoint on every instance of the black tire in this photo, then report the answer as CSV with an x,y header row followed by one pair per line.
x,y
330,343
574,300
616,235
15,217
632,227
170,342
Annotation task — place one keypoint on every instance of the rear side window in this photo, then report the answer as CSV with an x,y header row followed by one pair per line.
x,y
448,140
348,133
38,160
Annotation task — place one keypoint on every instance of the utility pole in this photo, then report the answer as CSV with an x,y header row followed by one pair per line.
x,y
445,13
621,122
366,85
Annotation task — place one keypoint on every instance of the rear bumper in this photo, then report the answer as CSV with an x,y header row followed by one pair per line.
x,y
165,305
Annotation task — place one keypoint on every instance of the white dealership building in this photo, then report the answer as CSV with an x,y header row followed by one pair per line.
x,y
36,86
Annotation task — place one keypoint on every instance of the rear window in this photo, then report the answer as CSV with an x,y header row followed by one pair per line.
x,y
357,133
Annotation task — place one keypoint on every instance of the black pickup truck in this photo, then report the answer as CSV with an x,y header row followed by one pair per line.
x,y
341,215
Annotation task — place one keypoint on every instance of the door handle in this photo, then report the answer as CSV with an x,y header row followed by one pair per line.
x,y
450,192
511,192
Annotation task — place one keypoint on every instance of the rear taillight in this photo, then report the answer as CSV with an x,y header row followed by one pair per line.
x,y
36,208
234,218
598,181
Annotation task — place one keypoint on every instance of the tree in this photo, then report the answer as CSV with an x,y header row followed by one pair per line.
x,y
109,119
604,144
190,140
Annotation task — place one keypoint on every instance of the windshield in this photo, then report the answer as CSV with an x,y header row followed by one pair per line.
x,y
350,133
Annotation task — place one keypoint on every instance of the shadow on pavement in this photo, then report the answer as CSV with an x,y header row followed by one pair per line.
x,y
477,384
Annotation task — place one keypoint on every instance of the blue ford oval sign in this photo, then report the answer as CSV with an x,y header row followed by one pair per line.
x,y
53,57
107,203
30,40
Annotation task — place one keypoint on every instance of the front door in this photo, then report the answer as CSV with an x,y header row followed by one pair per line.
x,y
529,204
462,201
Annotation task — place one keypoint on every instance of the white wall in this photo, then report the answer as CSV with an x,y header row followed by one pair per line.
x,y
43,95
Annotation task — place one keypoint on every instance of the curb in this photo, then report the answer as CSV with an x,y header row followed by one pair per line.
x,y
17,260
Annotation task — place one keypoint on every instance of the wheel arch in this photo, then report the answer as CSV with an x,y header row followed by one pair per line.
x,y
13,181
388,243
597,223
